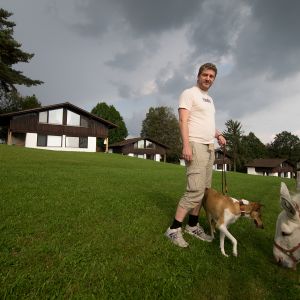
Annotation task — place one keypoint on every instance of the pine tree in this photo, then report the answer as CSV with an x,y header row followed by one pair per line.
x,y
10,54
233,135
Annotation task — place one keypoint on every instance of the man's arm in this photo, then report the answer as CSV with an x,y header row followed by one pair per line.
x,y
184,131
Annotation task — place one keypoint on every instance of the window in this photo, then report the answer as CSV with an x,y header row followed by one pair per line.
x,y
84,122
142,144
76,142
149,145
41,140
43,117
73,119
55,116
54,141
72,142
83,142
49,140
218,155
139,144
219,167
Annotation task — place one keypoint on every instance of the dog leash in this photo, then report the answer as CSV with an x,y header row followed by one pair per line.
x,y
224,181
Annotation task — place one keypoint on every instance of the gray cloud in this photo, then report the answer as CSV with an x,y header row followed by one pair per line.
x,y
96,17
124,91
214,32
154,17
128,61
147,52
133,57
260,38
141,17
269,43
174,85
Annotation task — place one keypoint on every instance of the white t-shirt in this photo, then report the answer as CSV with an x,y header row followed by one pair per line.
x,y
201,122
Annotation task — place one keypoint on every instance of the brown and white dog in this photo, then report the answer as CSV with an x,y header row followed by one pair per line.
x,y
221,211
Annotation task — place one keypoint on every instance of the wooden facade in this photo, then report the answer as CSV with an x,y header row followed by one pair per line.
x,y
22,123
141,147
30,123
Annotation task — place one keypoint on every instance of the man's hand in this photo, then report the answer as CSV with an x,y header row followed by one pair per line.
x,y
221,140
187,153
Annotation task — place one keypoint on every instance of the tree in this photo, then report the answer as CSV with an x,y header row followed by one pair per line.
x,y
109,113
15,102
233,135
10,54
252,148
285,145
162,126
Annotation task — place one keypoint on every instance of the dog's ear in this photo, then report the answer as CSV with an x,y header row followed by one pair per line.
x,y
259,205
286,201
284,192
256,206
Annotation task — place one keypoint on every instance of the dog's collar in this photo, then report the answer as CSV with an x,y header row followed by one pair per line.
x,y
289,252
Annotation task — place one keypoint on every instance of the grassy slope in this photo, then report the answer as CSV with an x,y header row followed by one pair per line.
x,y
90,225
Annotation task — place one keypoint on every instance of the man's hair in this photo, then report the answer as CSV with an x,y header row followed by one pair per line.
x,y
208,66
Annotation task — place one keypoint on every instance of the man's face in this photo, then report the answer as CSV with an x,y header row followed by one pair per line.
x,y
206,79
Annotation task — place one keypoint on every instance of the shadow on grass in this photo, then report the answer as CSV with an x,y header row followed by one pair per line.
x,y
165,203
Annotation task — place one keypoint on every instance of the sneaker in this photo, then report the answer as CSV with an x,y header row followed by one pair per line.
x,y
175,235
198,232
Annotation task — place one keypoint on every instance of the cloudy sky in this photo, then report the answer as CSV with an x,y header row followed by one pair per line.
x,y
137,54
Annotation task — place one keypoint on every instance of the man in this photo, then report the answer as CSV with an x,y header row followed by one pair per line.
x,y
197,128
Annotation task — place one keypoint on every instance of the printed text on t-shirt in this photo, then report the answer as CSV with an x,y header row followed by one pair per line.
x,y
206,100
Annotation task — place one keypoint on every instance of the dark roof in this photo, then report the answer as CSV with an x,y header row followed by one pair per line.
x,y
134,140
266,162
7,116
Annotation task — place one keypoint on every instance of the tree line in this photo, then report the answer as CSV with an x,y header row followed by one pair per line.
x,y
160,123
244,148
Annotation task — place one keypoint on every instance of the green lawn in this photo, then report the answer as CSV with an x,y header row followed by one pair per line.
x,y
91,225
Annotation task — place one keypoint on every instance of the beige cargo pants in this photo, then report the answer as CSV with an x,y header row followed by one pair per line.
x,y
199,175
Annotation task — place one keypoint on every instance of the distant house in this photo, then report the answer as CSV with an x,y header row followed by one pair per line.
x,y
140,147
270,167
62,127
221,159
